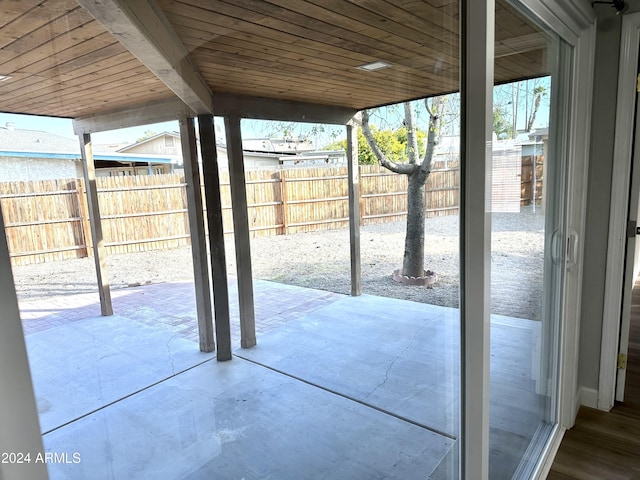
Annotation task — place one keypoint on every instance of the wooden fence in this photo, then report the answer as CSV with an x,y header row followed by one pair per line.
x,y
48,220
529,179
43,220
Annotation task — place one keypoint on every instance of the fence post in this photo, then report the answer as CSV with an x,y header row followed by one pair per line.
x,y
283,194
85,227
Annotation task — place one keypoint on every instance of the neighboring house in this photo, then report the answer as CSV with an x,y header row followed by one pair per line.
x,y
165,144
276,145
317,157
284,152
258,152
109,147
536,141
38,155
255,159
114,164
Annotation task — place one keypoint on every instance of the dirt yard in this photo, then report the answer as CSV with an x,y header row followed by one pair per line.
x,y
321,260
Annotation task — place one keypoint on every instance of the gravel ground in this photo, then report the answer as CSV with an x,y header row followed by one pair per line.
x,y
321,260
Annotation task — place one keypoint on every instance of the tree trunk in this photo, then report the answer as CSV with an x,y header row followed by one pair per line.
x,y
536,106
413,261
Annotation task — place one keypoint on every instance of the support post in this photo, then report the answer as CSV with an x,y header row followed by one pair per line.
x,y
354,208
89,169
477,42
216,236
197,233
241,231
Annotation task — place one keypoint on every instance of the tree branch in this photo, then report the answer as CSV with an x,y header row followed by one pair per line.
x,y
404,168
426,105
412,135
434,126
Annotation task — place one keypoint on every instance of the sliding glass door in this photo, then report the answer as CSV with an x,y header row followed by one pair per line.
x,y
527,181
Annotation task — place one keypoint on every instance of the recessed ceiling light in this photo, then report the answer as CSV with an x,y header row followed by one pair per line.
x,y
4,77
379,65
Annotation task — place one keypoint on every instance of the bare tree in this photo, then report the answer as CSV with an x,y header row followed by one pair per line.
x,y
538,92
417,171
516,105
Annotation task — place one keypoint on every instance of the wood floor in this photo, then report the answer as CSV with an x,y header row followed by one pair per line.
x,y
606,446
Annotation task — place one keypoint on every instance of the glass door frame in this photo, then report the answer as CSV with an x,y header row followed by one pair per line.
x,y
575,26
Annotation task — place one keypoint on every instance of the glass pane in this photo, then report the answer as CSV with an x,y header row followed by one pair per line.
x,y
527,237
396,348
339,385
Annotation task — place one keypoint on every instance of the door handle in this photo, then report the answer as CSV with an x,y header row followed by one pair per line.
x,y
556,247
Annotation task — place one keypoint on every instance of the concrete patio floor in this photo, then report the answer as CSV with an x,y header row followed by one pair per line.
x,y
337,387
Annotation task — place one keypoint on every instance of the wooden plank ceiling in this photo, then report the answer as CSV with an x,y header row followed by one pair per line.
x,y
64,63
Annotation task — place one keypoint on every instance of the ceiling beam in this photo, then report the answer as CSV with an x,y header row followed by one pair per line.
x,y
143,29
260,108
226,105
156,112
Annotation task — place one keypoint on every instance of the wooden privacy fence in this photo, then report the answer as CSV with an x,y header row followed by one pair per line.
x,y
532,176
44,219
306,199
48,220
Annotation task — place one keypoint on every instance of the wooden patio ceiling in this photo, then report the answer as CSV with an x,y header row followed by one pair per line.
x,y
62,62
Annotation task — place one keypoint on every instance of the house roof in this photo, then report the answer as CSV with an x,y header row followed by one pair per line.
x,y
110,157
82,58
16,142
12,138
539,134
276,145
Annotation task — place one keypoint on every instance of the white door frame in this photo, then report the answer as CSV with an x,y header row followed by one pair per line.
x,y
575,25
574,21
476,99
579,139
621,177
